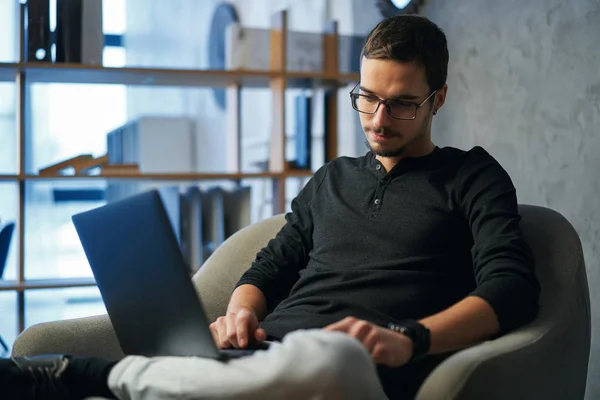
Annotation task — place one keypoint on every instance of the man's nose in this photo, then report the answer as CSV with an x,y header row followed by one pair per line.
x,y
381,118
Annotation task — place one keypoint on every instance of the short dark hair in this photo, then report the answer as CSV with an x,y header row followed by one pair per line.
x,y
411,38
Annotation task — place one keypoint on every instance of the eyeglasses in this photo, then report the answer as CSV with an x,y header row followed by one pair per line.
x,y
398,109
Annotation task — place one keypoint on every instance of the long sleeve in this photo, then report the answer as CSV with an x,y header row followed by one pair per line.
x,y
502,260
276,267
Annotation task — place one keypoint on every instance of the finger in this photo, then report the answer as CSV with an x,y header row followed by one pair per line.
x,y
371,340
380,355
214,332
360,330
260,335
231,334
221,329
342,325
242,324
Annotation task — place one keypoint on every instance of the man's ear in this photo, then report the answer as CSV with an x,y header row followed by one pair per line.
x,y
440,98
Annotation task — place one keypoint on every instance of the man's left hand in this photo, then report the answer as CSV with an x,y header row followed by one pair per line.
x,y
387,347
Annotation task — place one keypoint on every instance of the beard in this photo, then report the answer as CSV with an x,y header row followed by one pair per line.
x,y
400,150
387,153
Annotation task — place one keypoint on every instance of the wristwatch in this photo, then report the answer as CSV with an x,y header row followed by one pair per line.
x,y
417,332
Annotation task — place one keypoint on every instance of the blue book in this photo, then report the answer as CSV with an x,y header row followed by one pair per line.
x,y
302,131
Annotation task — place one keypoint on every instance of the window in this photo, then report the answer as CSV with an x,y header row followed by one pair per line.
x,y
64,120
67,120
8,328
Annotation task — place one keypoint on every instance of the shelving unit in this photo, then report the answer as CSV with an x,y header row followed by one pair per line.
x,y
175,177
92,74
278,79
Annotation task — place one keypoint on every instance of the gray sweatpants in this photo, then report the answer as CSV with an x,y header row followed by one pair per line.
x,y
308,364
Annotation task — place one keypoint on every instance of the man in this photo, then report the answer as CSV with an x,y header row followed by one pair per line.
x,y
387,262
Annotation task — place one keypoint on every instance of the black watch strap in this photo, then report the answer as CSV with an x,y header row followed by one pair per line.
x,y
417,332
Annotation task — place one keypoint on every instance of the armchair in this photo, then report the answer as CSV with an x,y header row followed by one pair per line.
x,y
547,359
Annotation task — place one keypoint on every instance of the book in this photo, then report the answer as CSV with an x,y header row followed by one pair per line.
x,y
303,131
79,34
37,33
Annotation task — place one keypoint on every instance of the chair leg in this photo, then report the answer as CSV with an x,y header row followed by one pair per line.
x,y
3,344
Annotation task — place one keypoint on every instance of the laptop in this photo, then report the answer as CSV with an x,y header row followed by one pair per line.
x,y
144,281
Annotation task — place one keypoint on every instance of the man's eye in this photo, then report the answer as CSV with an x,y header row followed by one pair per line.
x,y
402,104
370,99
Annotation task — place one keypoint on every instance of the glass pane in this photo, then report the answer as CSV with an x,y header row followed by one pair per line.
x,y
180,34
261,198
168,34
304,124
52,246
67,120
304,128
8,130
59,304
255,129
9,210
168,130
8,325
114,57
113,16
8,29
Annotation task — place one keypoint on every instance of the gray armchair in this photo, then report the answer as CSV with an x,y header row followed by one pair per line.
x,y
546,359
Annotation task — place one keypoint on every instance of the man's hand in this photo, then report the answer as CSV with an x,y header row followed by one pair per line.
x,y
237,329
387,347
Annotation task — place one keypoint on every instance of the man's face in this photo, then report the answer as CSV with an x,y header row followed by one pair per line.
x,y
387,79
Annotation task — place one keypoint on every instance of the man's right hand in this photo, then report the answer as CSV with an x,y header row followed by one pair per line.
x,y
237,329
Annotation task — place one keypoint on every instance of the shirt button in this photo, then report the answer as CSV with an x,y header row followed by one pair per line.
x,y
378,167
383,181
377,202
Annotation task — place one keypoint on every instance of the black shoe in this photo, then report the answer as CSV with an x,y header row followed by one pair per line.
x,y
42,377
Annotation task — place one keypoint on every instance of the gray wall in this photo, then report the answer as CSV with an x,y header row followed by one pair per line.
x,y
524,82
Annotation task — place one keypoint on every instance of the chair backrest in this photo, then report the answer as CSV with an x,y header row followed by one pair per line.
x,y
560,267
563,326
5,237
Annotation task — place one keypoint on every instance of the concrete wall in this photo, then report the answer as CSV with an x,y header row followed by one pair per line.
x,y
524,82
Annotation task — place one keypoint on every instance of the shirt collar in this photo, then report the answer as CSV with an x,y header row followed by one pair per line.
x,y
405,163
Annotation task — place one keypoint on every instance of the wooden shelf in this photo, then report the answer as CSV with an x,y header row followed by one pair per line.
x,y
91,74
8,72
77,73
307,79
47,284
173,177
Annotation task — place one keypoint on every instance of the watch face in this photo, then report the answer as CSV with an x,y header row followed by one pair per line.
x,y
418,333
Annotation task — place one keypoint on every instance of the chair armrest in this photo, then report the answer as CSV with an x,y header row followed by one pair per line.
x,y
532,362
90,336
